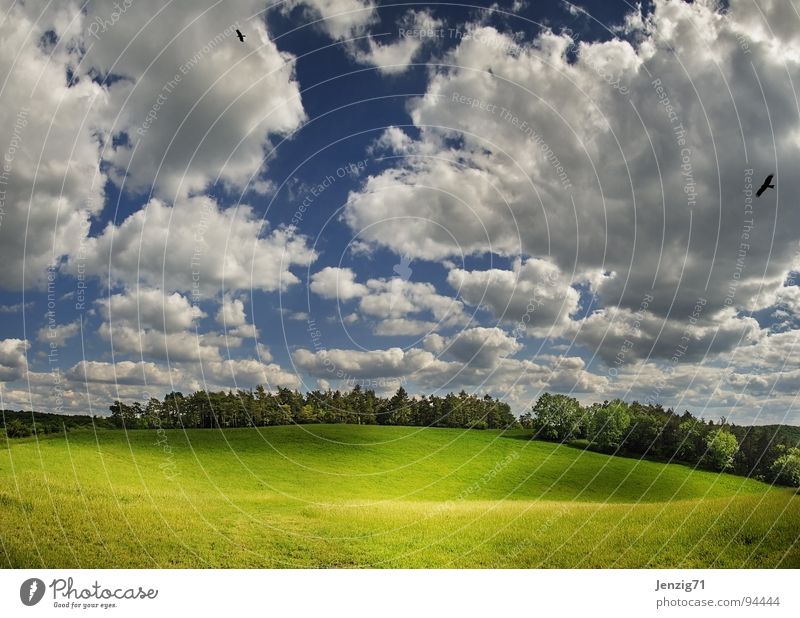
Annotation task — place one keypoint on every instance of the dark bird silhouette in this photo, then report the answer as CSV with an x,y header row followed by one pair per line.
x,y
240,35
765,186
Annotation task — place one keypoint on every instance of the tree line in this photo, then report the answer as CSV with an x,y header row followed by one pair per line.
x,y
22,423
769,453
259,408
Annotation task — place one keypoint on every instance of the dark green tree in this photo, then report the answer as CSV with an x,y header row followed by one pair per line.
x,y
609,426
556,417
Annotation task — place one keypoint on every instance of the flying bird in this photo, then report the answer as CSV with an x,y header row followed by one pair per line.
x,y
765,186
240,35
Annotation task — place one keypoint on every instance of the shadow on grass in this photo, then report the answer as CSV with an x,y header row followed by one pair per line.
x,y
584,445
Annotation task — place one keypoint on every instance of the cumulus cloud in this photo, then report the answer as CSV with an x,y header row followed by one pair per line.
x,y
232,317
247,373
396,298
415,30
613,178
643,335
395,140
182,346
340,19
123,373
196,247
577,159
337,283
107,380
479,359
13,359
191,105
231,313
150,308
149,323
58,333
391,301
351,22
534,295
152,324
50,177
356,364
263,353
482,347
64,119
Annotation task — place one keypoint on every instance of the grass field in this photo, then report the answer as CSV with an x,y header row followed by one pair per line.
x,y
369,496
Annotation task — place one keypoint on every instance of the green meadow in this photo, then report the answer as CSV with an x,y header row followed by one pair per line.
x,y
374,496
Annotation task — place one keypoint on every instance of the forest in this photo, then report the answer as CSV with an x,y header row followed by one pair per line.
x,y
259,407
765,452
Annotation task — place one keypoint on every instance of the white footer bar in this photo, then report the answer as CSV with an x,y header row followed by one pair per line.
x,y
399,593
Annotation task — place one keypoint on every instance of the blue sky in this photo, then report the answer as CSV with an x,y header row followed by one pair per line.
x,y
486,197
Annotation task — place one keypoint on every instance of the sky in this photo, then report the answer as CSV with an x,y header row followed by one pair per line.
x,y
505,198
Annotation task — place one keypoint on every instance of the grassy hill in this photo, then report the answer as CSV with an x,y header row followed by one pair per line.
x,y
350,496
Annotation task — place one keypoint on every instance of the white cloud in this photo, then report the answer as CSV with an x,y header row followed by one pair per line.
x,y
652,336
519,150
481,347
247,373
351,21
50,179
391,301
538,155
476,347
233,317
337,283
396,57
231,313
391,327
220,116
150,308
196,247
16,308
434,343
125,379
58,333
123,373
263,353
13,359
534,295
197,105
397,298
340,19
183,346
149,323
356,364
477,359
393,139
